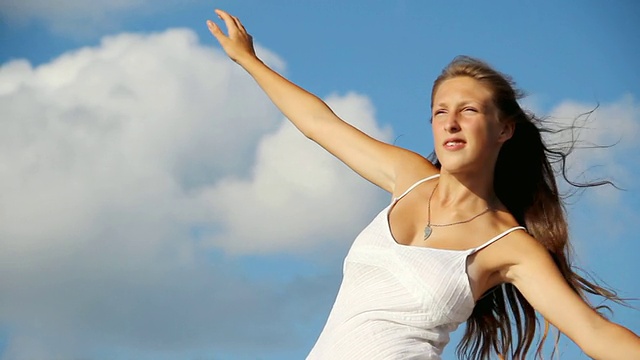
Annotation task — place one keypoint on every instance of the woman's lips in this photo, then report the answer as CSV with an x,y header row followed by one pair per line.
x,y
454,144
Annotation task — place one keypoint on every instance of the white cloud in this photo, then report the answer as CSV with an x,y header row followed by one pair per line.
x,y
605,138
82,19
110,157
73,17
298,196
134,122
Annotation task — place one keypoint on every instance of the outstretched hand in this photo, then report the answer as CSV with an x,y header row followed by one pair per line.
x,y
238,44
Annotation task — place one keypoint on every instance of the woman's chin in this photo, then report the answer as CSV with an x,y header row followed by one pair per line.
x,y
453,169
460,167
453,164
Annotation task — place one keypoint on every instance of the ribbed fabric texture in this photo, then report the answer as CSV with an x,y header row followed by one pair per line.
x,y
396,301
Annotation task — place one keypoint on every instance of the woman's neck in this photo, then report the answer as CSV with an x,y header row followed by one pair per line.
x,y
468,191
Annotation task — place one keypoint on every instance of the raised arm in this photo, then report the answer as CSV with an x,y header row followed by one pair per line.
x,y
535,274
372,159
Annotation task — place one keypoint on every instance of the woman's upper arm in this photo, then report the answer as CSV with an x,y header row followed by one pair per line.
x,y
376,161
537,277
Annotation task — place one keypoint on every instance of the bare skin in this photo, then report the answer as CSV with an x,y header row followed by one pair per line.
x,y
467,136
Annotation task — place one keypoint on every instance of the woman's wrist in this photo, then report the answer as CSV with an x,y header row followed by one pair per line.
x,y
250,63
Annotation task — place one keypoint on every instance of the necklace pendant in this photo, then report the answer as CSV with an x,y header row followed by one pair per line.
x,y
427,232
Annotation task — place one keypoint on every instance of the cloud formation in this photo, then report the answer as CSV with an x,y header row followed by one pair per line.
x,y
76,18
115,159
295,180
69,16
603,136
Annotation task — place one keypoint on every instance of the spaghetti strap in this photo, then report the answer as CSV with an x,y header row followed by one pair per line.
x,y
413,186
496,238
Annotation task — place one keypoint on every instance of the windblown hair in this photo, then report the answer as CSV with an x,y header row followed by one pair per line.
x,y
503,322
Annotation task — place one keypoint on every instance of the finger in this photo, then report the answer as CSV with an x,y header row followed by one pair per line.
x,y
238,23
228,21
216,31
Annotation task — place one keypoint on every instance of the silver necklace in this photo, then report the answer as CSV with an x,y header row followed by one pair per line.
x,y
428,229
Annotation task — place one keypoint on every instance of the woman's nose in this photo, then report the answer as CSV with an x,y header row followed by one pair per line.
x,y
451,124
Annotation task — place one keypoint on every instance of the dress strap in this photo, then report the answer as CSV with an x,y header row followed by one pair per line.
x,y
414,185
497,237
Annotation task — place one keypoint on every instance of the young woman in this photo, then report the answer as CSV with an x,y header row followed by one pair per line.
x,y
480,236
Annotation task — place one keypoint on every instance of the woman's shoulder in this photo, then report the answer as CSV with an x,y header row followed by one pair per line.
x,y
522,249
412,168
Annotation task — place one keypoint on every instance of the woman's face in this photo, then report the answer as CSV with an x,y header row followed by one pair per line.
x,y
466,130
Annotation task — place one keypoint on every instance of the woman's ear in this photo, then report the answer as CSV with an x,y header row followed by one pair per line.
x,y
508,127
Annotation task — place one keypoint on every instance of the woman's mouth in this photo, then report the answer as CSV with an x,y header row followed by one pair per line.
x,y
454,144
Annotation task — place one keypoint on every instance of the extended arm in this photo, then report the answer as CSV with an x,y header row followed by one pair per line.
x,y
372,159
536,276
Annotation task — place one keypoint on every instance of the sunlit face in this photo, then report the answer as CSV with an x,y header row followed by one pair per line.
x,y
466,130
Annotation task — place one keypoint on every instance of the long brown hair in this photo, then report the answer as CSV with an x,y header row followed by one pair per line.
x,y
525,182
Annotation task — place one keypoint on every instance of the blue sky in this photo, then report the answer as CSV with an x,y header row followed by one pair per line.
x,y
156,206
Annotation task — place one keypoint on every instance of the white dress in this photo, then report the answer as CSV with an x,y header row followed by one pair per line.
x,y
396,301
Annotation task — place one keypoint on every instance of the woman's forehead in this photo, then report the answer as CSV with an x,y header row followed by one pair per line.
x,y
461,88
